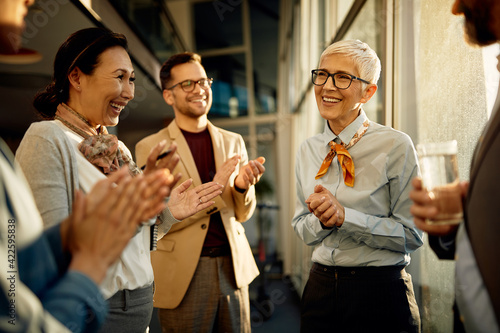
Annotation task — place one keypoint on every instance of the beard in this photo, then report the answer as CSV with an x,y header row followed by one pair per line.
x,y
477,21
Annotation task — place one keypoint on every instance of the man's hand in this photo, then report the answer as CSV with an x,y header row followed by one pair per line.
x,y
423,209
250,174
183,202
323,204
226,170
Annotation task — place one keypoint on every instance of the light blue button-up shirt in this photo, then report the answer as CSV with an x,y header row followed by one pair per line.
x,y
378,229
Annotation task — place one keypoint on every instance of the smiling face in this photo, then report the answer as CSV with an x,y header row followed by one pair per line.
x,y
340,107
194,104
106,92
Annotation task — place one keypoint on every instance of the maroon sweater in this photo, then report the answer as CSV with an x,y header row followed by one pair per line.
x,y
202,150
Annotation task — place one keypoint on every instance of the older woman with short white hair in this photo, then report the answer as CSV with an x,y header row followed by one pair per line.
x,y
353,207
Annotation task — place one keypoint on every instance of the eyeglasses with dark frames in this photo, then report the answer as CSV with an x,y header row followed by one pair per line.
x,y
340,80
189,85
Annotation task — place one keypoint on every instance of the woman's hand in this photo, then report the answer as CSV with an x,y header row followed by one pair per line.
x,y
168,162
103,222
183,202
323,204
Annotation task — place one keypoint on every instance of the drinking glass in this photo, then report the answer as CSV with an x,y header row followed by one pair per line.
x,y
439,171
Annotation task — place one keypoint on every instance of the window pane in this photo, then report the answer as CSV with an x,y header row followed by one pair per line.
x,y
369,28
343,8
147,20
230,97
218,25
265,21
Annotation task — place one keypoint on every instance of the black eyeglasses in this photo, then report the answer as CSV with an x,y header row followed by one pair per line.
x,y
189,85
340,80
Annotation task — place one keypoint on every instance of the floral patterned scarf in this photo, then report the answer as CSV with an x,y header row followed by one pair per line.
x,y
98,146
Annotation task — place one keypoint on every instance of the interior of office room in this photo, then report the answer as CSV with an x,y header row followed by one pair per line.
x,y
260,53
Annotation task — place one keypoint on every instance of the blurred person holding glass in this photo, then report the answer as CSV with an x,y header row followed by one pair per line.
x,y
353,182
474,243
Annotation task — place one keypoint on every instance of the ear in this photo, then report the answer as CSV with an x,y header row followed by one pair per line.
x,y
75,78
168,96
369,92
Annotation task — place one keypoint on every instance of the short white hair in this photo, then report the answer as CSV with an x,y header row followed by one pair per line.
x,y
365,59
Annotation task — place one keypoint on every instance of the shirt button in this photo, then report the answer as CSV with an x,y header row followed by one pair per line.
x,y
203,226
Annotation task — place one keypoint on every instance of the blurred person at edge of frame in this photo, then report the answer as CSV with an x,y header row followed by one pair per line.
x,y
49,278
474,244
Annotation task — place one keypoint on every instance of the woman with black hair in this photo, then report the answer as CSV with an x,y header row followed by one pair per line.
x,y
92,83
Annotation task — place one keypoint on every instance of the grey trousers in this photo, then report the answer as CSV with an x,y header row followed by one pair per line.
x,y
129,311
212,302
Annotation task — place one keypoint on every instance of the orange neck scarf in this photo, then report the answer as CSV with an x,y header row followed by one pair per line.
x,y
343,156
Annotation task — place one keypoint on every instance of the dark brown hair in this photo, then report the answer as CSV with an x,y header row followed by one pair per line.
x,y
82,49
176,59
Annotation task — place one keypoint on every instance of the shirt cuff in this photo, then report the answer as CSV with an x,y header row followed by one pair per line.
x,y
447,242
167,221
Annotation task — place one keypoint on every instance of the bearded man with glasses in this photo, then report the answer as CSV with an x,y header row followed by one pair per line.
x,y
353,205
203,266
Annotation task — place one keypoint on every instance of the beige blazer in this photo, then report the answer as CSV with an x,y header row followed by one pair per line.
x,y
175,260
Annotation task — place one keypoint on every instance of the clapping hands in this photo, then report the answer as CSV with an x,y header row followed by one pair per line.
x,y
102,222
250,173
168,162
183,202
323,204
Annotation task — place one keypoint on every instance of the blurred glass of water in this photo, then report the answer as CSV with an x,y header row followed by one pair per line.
x,y
439,172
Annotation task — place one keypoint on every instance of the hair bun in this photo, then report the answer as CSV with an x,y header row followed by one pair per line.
x,y
46,101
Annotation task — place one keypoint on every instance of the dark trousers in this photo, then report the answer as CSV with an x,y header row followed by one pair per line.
x,y
359,299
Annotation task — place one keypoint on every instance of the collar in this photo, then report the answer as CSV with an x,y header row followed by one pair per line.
x,y
175,131
348,133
